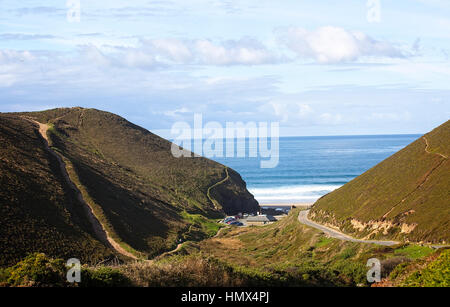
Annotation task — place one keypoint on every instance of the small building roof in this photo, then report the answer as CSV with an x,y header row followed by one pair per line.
x,y
261,218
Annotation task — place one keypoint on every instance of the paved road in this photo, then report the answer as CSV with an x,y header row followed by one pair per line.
x,y
303,218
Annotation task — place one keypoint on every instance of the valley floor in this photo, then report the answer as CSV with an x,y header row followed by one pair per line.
x,y
285,253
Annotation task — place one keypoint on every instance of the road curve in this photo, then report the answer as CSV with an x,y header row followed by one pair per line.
x,y
303,218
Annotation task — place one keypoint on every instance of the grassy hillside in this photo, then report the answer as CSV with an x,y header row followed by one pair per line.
x,y
430,271
143,196
38,211
405,197
286,253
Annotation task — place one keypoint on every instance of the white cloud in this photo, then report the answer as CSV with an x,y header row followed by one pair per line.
x,y
175,113
232,53
330,119
14,65
174,49
402,116
246,51
335,45
95,56
25,36
156,53
140,59
289,112
12,56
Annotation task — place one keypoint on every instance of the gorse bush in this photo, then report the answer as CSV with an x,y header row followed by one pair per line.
x,y
183,271
103,277
388,265
435,274
37,270
197,270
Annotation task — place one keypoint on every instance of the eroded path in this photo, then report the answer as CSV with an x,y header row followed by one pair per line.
x,y
208,193
303,218
425,179
100,231
427,146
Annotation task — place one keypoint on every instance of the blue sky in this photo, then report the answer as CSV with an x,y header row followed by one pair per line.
x,y
317,67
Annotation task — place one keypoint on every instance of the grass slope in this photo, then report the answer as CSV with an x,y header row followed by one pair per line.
x,y
38,211
143,196
404,197
292,254
282,254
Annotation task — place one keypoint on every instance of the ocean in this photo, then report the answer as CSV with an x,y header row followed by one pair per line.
x,y
310,167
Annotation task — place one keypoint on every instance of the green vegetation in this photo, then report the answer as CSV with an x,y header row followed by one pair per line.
x,y
435,274
97,210
289,253
38,210
208,192
149,201
405,197
38,270
323,242
249,257
414,251
103,277
431,271
198,221
138,191
285,253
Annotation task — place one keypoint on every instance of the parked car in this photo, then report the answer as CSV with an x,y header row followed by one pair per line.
x,y
230,221
236,223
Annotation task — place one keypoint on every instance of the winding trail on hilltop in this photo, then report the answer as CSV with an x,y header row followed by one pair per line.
x,y
99,230
208,193
181,244
214,202
428,151
303,218
427,176
303,215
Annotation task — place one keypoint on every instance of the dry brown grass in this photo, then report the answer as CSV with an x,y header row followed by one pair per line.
x,y
185,272
230,243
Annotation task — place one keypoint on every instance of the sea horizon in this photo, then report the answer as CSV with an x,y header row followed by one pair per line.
x,y
312,166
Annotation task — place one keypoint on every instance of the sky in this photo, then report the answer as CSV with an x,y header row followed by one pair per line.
x,y
316,67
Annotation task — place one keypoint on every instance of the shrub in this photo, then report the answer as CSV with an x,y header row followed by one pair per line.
x,y
398,271
388,265
436,273
348,253
353,272
103,277
37,270
4,275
